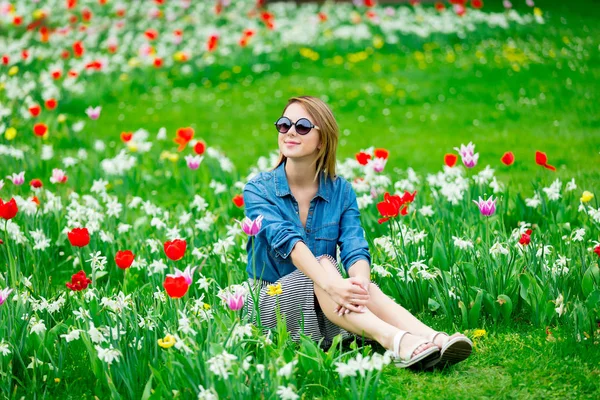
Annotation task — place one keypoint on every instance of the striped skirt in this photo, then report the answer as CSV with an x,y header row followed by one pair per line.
x,y
299,306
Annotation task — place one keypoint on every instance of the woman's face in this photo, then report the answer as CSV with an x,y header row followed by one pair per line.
x,y
295,146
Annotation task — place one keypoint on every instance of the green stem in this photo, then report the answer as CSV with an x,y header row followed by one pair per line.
x,y
11,264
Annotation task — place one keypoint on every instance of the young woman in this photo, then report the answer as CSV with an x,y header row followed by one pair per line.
x,y
307,211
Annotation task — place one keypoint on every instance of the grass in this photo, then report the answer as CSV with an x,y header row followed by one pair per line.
x,y
419,101
510,363
419,110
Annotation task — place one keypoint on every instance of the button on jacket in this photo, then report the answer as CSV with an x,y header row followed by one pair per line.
x,y
333,219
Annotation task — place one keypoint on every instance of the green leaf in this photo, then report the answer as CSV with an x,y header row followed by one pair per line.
x,y
475,311
525,283
113,389
491,306
593,300
591,280
439,256
506,306
147,389
470,274
463,312
433,305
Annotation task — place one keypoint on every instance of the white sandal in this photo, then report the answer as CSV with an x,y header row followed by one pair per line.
x,y
453,350
403,357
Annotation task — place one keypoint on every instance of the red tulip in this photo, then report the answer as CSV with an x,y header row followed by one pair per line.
x,y
477,4
9,209
542,159
381,153
597,250
508,158
450,160
175,249
78,49
124,259
394,205
79,281
200,147
40,129
213,40
238,200
51,104
151,34
439,6
525,238
184,135
363,158
35,110
126,136
79,237
36,183
176,287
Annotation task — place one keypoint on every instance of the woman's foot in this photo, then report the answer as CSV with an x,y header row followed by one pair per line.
x,y
412,350
453,349
441,338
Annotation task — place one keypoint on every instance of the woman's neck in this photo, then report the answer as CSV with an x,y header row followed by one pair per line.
x,y
301,173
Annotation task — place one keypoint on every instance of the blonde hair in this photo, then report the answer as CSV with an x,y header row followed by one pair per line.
x,y
328,133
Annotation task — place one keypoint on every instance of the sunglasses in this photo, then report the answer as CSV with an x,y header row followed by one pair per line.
x,y
303,125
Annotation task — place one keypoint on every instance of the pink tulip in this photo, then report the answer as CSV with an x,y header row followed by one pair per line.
x,y
17,179
93,112
486,207
187,274
251,228
193,162
468,155
4,295
378,164
58,176
235,302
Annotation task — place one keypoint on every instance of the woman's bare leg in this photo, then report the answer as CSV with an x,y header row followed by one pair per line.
x,y
393,313
366,323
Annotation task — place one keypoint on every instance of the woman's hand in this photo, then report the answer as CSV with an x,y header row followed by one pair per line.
x,y
364,283
348,294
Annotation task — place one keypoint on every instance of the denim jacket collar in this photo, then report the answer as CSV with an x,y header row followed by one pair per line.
x,y
282,188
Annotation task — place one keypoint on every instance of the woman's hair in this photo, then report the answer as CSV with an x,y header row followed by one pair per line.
x,y
328,132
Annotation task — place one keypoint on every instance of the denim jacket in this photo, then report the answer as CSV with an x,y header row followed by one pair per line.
x,y
333,219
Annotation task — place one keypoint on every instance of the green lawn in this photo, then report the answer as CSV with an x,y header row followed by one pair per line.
x,y
550,104
537,90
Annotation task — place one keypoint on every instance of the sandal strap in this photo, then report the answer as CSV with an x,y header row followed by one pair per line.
x,y
407,351
435,334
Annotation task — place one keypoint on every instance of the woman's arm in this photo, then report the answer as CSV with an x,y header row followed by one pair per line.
x,y
362,271
345,292
354,249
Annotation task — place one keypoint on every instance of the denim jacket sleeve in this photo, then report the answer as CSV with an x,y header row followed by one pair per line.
x,y
352,242
280,234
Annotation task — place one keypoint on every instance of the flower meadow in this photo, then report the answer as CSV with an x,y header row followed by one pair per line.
x,y
123,254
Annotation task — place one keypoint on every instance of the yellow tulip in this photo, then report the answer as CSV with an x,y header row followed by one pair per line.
x,y
61,118
10,133
167,342
378,42
133,62
537,12
586,197
273,290
38,14
13,70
